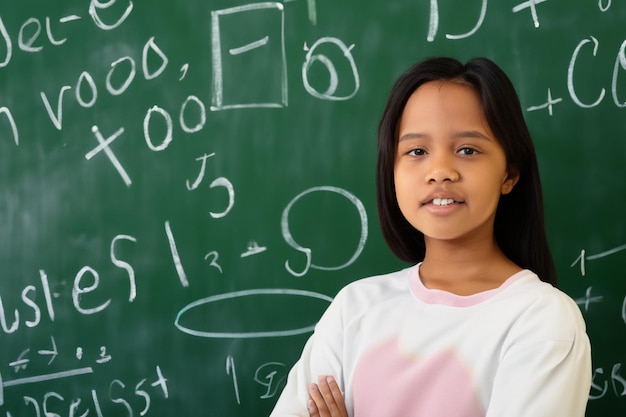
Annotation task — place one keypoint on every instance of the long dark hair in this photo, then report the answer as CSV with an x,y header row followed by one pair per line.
x,y
519,224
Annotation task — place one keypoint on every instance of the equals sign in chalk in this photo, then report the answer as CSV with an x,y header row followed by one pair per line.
x,y
41,378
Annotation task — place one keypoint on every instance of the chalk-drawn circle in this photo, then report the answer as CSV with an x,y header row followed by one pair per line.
x,y
312,57
307,251
231,310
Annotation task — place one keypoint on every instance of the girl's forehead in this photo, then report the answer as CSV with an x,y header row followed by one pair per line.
x,y
443,101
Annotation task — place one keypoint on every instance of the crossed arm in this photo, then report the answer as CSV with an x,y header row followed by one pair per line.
x,y
326,399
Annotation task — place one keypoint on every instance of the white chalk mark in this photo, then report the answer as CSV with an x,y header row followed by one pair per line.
x,y
201,122
253,249
481,19
55,42
131,76
69,18
249,47
104,145
269,371
41,378
132,293
48,377
606,253
46,293
311,58
57,120
620,62
104,356
183,71
311,10
7,42
602,7
530,4
169,136
175,256
582,257
7,113
198,180
53,353
21,362
224,182
548,105
152,46
251,334
588,299
433,23
217,59
230,366
93,12
307,251
570,73
214,257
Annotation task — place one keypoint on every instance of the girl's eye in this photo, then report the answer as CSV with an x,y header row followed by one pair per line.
x,y
416,152
468,151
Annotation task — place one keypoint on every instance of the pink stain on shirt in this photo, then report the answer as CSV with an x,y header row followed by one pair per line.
x,y
389,383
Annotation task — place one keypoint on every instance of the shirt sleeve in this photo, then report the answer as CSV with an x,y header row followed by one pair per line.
x,y
546,371
322,355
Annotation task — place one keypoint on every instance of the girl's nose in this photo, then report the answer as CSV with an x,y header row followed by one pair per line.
x,y
442,169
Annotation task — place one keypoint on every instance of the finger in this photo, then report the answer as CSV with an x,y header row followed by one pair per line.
x,y
319,402
332,396
313,410
337,396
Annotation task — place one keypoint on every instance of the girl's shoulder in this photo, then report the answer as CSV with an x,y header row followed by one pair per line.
x,y
377,288
540,307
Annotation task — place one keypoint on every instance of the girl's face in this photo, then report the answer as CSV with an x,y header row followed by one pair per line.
x,y
450,169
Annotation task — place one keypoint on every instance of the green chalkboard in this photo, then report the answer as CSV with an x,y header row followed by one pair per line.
x,y
185,185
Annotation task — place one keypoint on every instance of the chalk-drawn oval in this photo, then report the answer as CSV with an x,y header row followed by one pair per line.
x,y
230,310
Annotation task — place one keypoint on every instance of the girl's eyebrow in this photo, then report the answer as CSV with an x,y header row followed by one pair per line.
x,y
471,134
408,136
462,134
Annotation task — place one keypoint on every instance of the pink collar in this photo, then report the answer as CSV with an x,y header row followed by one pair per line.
x,y
434,296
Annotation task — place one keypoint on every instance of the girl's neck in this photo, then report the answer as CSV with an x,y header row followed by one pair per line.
x,y
465,269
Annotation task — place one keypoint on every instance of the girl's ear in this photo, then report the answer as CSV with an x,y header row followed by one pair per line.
x,y
511,179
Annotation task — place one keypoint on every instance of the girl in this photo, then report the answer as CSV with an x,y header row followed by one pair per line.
x,y
476,327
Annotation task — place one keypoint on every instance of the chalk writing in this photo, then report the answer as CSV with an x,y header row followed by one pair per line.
x,y
434,22
41,378
253,249
277,70
230,367
583,257
276,294
547,105
533,10
311,58
307,251
117,393
271,375
169,106
618,383
213,256
588,299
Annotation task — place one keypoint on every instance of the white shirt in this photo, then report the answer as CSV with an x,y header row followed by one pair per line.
x,y
399,349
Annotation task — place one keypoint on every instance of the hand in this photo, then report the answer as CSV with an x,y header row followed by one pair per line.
x,y
326,399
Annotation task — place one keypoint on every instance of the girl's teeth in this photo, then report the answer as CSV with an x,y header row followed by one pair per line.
x,y
442,201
